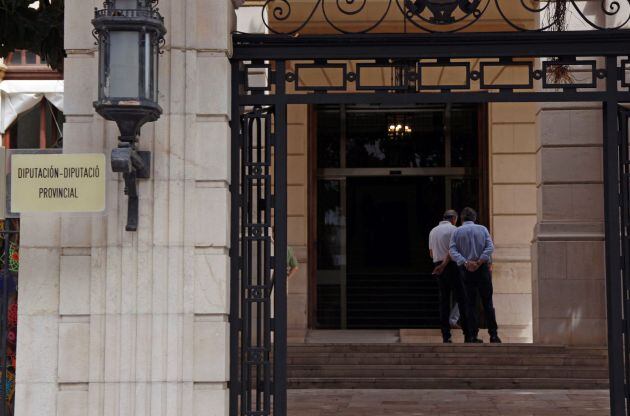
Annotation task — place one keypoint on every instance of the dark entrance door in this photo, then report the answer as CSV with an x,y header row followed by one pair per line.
x,y
389,282
385,177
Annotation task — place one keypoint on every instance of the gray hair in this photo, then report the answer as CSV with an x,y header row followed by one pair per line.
x,y
469,214
450,214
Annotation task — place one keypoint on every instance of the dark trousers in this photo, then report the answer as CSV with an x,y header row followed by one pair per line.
x,y
450,283
479,283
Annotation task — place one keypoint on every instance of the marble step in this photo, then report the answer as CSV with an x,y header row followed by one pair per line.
x,y
533,349
448,359
446,371
447,383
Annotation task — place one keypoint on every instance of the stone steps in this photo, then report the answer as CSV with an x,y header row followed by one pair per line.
x,y
446,371
449,359
446,384
438,366
442,348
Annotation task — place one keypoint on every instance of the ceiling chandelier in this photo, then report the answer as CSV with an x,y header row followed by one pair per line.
x,y
399,127
398,130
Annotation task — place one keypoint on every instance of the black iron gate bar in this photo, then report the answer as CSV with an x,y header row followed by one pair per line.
x,y
442,45
624,173
605,52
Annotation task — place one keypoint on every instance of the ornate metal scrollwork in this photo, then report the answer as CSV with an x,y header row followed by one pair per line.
x,y
280,17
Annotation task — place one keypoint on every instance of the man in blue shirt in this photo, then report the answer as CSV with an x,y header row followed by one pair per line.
x,y
471,248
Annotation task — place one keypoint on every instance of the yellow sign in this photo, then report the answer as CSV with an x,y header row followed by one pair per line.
x,y
58,183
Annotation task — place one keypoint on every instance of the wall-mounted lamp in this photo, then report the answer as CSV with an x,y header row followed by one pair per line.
x,y
130,34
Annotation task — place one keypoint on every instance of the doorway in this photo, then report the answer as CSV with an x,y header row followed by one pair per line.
x,y
385,175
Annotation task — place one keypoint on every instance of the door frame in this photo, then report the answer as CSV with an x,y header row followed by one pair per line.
x,y
483,147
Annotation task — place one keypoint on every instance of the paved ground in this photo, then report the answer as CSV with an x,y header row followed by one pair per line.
x,y
448,403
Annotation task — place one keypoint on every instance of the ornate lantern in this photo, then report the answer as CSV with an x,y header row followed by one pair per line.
x,y
130,34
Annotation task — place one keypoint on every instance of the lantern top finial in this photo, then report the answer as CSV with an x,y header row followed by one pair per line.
x,y
129,4
119,13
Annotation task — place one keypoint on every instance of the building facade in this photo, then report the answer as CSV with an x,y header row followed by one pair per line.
x,y
119,323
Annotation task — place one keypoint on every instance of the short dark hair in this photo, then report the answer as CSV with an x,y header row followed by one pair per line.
x,y
450,214
469,214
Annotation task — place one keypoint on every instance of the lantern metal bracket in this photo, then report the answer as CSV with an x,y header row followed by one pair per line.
x,y
133,164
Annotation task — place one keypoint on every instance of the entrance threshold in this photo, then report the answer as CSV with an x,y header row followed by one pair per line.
x,y
353,336
512,335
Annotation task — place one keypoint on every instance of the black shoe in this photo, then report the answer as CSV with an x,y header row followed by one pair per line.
x,y
494,339
473,341
447,341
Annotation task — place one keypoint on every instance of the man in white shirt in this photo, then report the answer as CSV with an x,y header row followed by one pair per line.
x,y
449,278
471,249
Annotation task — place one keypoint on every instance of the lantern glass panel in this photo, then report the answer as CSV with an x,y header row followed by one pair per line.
x,y
126,4
102,66
123,79
148,68
155,56
145,67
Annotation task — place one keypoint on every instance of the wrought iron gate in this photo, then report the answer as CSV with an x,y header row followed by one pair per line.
x,y
258,340
619,291
259,148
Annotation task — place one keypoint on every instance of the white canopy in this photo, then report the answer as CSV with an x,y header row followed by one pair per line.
x,y
18,96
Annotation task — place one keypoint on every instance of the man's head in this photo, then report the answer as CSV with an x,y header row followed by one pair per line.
x,y
451,216
468,214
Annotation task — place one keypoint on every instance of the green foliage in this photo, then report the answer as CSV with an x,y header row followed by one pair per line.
x,y
39,29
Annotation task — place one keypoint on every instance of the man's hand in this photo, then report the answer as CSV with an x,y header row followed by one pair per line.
x,y
472,266
439,269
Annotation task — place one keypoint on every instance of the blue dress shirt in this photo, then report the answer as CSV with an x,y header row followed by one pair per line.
x,y
471,242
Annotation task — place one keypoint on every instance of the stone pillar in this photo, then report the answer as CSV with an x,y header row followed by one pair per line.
x,y
513,215
568,251
116,323
569,299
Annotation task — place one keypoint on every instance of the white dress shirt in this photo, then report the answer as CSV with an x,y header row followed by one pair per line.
x,y
440,239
